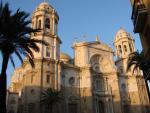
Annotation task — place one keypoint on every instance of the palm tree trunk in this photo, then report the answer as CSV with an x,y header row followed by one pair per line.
x,y
3,84
146,83
147,87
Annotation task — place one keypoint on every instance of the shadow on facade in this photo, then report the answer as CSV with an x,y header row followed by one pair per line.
x,y
29,102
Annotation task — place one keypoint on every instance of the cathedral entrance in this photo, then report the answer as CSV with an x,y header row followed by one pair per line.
x,y
101,107
72,108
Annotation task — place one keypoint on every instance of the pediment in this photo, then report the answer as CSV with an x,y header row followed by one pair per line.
x,y
101,46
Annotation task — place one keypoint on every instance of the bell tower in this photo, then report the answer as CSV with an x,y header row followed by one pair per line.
x,y
46,18
47,60
124,44
130,83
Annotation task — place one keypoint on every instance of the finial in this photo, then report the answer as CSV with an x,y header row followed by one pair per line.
x,y
97,38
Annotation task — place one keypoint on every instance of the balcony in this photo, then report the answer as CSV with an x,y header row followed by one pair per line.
x,y
139,16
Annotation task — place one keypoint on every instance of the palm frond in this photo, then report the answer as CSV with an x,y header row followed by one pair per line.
x,y
50,97
136,59
15,34
12,61
19,56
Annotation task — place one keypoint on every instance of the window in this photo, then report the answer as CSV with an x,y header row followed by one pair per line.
x,y
32,79
120,50
125,48
101,107
47,52
47,23
48,79
39,24
72,108
32,91
99,85
63,79
123,86
71,80
130,47
121,69
56,27
33,24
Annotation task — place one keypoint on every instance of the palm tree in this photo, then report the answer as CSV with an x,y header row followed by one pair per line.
x,y
14,38
50,98
138,61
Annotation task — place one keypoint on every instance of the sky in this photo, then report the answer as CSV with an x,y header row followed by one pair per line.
x,y
84,20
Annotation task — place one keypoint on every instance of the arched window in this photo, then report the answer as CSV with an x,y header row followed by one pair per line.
x,y
55,29
32,91
125,48
71,81
130,47
32,78
47,23
47,79
99,84
33,24
123,86
120,50
101,107
39,24
47,51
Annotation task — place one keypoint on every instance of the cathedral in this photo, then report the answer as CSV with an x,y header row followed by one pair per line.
x,y
90,82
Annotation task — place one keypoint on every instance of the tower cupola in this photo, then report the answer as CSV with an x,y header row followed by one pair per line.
x,y
124,43
46,18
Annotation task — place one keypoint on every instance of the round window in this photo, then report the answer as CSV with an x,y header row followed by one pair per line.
x,y
71,80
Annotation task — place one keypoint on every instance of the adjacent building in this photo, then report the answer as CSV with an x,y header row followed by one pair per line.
x,y
91,81
141,21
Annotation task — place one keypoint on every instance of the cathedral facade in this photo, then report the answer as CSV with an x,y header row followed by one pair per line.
x,y
91,82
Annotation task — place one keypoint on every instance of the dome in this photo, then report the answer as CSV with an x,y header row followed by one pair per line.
x,y
121,34
43,6
64,56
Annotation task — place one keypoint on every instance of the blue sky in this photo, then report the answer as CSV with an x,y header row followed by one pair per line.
x,y
79,18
